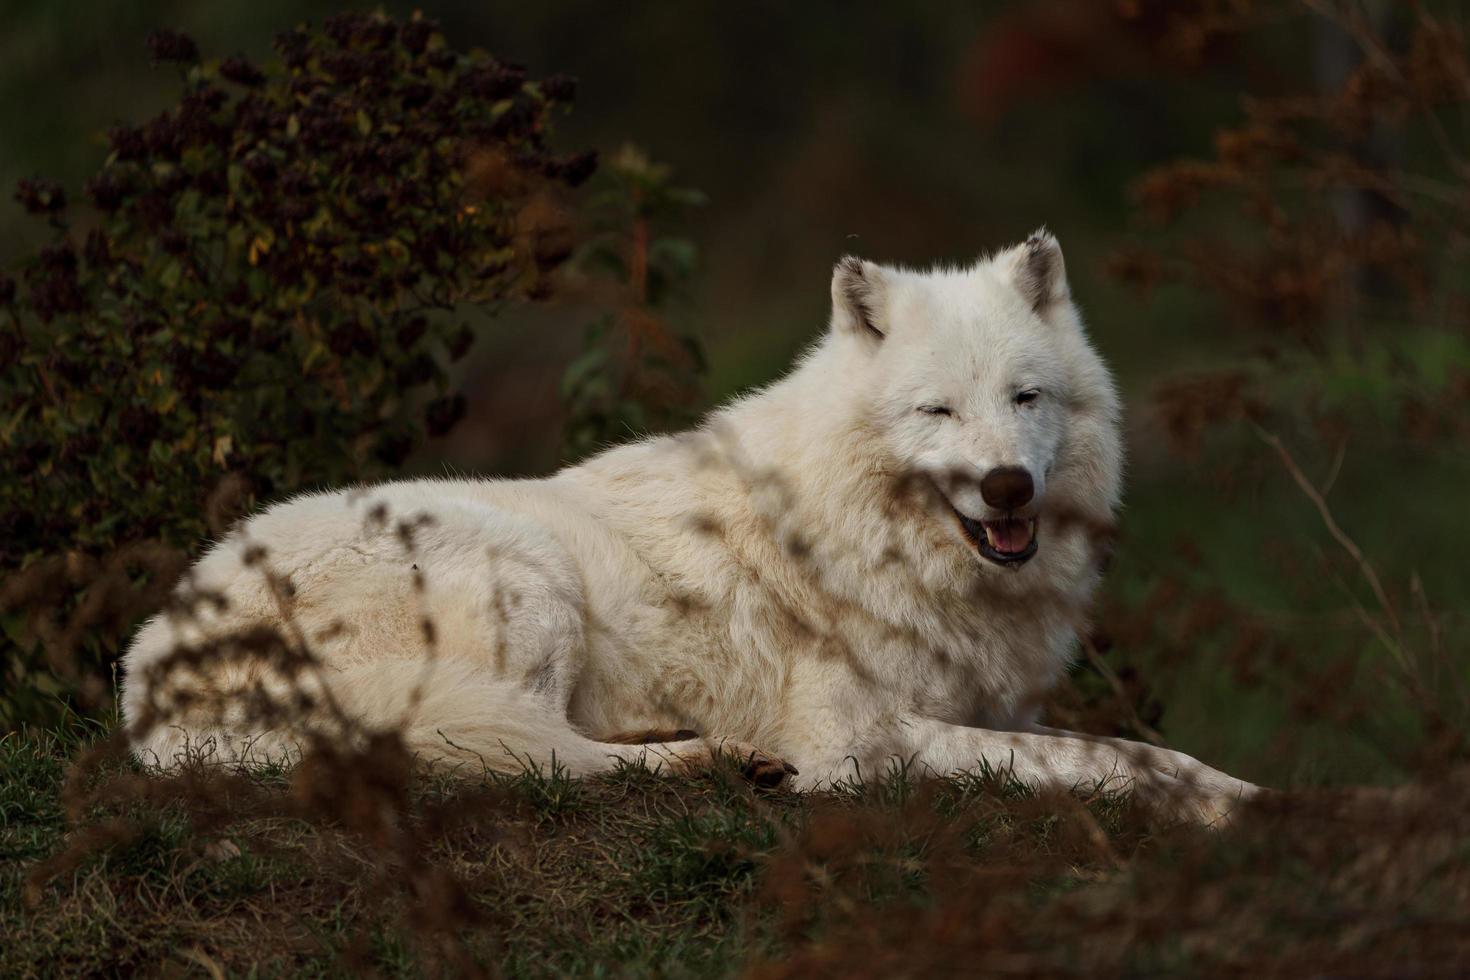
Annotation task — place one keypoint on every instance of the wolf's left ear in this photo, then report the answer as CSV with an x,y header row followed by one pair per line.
x,y
1038,271
857,297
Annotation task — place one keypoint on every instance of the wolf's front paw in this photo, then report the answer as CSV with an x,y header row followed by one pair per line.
x,y
1182,786
1211,804
761,768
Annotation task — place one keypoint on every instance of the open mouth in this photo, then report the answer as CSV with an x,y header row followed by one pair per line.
x,y
1005,541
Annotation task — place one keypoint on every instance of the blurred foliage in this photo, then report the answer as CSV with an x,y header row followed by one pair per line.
x,y
265,296
1330,226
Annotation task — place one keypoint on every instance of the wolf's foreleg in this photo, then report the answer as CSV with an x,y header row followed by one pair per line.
x,y
1047,758
1176,765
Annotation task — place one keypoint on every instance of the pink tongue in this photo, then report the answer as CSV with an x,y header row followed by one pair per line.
x,y
1008,536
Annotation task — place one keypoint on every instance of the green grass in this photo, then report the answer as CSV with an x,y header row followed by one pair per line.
x,y
635,874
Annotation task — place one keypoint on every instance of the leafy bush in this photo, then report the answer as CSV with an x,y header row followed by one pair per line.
x,y
264,297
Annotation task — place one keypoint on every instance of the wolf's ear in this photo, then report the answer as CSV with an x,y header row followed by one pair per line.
x,y
857,297
1038,271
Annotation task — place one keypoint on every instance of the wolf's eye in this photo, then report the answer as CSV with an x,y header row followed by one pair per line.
x,y
1027,397
935,410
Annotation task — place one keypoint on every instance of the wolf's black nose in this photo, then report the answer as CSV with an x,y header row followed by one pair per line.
x,y
1007,487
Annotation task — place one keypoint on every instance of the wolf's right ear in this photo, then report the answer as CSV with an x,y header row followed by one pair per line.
x,y
857,297
1039,272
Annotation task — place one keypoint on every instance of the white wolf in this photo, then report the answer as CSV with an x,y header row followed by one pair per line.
x,y
882,557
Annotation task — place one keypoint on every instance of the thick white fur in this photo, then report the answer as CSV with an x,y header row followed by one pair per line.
x,y
790,576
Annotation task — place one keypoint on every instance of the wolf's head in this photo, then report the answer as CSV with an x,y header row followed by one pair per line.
x,y
983,390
